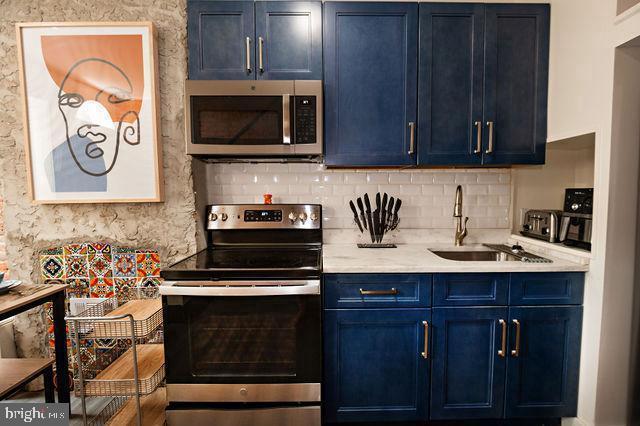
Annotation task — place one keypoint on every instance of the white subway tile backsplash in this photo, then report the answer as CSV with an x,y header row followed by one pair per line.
x,y
378,177
399,178
427,195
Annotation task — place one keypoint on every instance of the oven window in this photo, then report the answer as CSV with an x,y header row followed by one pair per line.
x,y
237,120
249,337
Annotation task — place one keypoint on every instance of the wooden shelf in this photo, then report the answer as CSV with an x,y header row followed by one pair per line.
x,y
152,407
117,378
147,316
15,372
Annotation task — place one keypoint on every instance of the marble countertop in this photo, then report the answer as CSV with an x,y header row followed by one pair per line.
x,y
348,258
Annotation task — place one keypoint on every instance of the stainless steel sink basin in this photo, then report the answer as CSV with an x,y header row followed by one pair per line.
x,y
474,255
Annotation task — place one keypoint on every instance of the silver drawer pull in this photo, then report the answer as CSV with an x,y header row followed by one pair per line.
x,y
391,292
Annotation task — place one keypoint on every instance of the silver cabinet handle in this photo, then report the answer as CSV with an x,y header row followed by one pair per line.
x,y
490,150
248,52
391,292
412,137
260,46
478,149
425,354
286,120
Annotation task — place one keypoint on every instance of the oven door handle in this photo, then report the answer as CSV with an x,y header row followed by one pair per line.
x,y
234,289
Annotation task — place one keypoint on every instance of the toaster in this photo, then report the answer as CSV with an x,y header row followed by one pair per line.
x,y
542,224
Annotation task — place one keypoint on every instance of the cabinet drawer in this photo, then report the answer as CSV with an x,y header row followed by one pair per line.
x,y
552,288
470,289
377,291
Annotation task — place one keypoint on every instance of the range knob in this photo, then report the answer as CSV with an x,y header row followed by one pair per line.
x,y
224,217
314,217
213,217
544,231
303,217
575,206
526,227
293,217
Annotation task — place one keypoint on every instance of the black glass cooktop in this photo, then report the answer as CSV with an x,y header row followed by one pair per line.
x,y
265,262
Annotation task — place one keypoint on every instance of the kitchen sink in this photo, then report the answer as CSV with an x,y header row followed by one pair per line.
x,y
475,255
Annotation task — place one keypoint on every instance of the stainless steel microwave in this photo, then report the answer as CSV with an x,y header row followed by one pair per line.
x,y
268,118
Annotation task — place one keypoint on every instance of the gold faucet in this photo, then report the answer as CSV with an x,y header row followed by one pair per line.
x,y
461,228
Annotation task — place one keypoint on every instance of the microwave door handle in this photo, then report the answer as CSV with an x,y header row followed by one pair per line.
x,y
286,119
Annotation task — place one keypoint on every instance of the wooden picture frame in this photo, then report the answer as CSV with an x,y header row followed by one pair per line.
x,y
90,95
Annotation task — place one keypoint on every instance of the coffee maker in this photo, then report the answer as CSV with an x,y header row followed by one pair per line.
x,y
575,226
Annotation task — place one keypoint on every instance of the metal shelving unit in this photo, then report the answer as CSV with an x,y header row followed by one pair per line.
x,y
133,367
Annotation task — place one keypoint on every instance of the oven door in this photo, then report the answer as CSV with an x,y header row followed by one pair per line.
x,y
243,348
245,118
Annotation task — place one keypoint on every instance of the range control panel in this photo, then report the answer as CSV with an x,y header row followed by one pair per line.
x,y
264,216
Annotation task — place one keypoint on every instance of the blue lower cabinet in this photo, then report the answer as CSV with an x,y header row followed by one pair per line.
x,y
375,365
468,372
544,362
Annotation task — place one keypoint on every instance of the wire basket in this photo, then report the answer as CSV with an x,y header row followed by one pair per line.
x,y
115,405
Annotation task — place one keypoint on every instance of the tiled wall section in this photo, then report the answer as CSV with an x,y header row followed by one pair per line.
x,y
427,195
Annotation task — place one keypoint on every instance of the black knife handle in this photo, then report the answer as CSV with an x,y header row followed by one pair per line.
x,y
353,208
367,203
398,205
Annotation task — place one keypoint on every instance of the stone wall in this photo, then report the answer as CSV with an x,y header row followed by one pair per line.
x,y
3,247
168,226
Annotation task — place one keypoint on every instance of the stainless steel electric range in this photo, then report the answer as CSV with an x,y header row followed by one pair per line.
x,y
242,320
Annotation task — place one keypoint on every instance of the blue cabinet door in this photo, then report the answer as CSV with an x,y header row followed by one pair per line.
x,y
374,365
370,82
516,83
468,372
289,40
542,376
221,40
450,83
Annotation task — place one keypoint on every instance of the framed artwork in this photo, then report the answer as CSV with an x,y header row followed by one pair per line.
x,y
90,113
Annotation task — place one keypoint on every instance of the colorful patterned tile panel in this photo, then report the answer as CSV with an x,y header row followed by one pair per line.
x,y
78,287
100,266
76,266
74,249
148,264
99,248
52,266
124,265
101,287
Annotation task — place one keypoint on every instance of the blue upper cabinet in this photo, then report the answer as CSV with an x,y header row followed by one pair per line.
x,y
468,372
243,40
221,40
516,83
370,81
544,362
375,365
483,82
289,40
450,82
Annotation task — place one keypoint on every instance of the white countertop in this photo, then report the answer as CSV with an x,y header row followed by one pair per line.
x,y
348,258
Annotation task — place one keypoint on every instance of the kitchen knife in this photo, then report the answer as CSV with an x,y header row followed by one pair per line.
x,y
355,216
367,204
376,220
390,214
376,225
362,216
396,219
383,216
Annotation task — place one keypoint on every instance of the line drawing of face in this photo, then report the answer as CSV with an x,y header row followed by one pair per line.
x,y
97,114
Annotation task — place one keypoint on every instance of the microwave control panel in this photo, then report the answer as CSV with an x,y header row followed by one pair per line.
x,y
305,125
